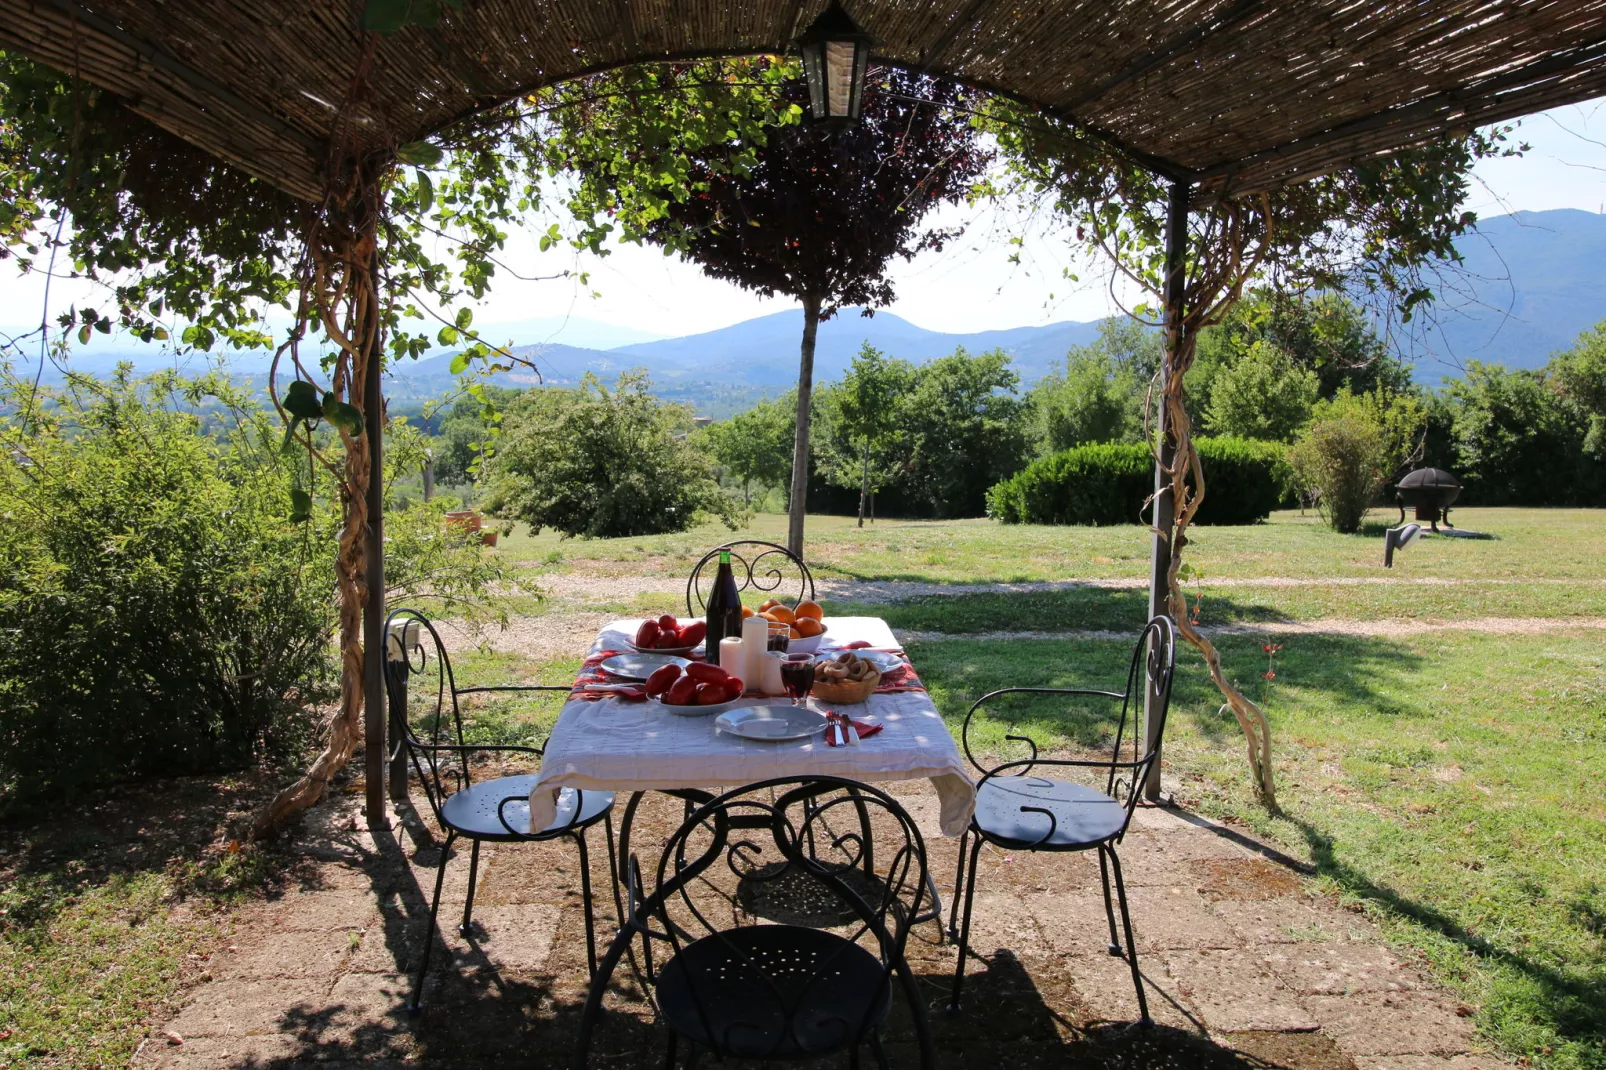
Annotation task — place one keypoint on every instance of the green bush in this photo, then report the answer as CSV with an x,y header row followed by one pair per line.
x,y
158,612
1108,483
603,463
1353,446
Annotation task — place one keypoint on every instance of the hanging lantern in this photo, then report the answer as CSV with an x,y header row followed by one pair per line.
x,y
835,54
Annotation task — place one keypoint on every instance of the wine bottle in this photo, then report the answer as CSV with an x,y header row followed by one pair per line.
x,y
724,609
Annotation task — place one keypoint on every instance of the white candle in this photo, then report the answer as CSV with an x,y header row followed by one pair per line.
x,y
733,656
755,636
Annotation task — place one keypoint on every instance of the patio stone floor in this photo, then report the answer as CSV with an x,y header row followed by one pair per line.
x,y
1246,966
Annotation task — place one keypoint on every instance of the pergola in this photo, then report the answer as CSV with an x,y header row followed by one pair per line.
x,y
1219,97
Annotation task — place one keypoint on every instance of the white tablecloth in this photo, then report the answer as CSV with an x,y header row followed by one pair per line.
x,y
612,745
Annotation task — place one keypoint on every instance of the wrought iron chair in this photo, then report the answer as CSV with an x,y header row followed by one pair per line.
x,y
497,810
1019,811
814,977
758,565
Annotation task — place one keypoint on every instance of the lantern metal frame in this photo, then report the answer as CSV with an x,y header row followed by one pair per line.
x,y
834,26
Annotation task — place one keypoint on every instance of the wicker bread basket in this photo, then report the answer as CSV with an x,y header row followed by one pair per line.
x,y
845,691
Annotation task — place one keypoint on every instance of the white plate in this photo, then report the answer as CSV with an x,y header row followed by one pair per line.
x,y
639,666
697,711
883,661
771,723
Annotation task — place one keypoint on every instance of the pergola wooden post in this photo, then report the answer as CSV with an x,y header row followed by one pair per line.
x,y
1165,445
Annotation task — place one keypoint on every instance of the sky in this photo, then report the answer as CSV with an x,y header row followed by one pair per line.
x,y
970,286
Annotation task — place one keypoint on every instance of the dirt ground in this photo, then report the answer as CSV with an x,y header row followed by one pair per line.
x,y
1245,965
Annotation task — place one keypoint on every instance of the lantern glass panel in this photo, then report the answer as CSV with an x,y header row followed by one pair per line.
x,y
814,72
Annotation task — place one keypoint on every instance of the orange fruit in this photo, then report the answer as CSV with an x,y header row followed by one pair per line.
x,y
807,627
781,613
747,611
767,604
796,633
809,609
771,617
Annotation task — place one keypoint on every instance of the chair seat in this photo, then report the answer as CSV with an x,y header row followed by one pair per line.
x,y
473,811
774,992
1083,817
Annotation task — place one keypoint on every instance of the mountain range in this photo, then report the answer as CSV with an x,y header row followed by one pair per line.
x,y
1527,285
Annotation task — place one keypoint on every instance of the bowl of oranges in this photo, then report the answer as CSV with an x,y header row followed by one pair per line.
x,y
806,620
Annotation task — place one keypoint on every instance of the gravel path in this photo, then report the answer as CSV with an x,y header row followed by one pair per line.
x,y
1372,629
581,587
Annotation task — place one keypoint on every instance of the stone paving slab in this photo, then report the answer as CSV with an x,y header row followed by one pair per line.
x,y
1289,921
1394,1023
1239,959
1236,991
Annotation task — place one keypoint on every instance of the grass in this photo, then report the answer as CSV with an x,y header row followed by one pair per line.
x,y
107,909
1556,544
1448,785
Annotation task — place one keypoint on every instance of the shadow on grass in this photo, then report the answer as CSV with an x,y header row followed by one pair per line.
x,y
1351,673
1573,1006
1070,609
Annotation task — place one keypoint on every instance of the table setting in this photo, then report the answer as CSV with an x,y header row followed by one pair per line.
x,y
841,700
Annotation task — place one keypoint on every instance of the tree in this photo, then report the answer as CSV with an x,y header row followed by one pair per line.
x,y
1091,401
1580,377
862,415
1263,394
1514,434
1328,335
602,463
963,431
814,213
756,446
1353,448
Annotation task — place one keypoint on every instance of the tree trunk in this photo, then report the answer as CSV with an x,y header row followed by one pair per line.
x,y
864,480
797,502
342,289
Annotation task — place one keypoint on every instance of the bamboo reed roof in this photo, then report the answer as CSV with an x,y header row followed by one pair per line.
x,y
1238,94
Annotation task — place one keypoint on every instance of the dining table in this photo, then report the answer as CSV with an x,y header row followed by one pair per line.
x,y
604,741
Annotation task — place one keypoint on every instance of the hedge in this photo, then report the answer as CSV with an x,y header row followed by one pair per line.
x,y
1109,482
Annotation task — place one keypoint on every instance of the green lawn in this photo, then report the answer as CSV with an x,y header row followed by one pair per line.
x,y
1529,543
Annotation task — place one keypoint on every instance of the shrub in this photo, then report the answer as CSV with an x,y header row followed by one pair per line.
x,y
1351,449
604,463
158,612
1108,483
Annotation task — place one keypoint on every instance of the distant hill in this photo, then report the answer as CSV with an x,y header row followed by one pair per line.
x,y
1530,283
764,351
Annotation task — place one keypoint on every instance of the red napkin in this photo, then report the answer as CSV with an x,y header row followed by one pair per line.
x,y
864,728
